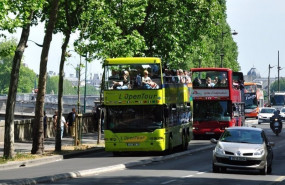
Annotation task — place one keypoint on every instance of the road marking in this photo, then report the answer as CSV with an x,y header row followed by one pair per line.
x,y
167,182
281,178
277,181
200,173
188,176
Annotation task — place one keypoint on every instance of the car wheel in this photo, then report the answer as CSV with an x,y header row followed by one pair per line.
x,y
223,169
259,123
215,168
264,170
269,169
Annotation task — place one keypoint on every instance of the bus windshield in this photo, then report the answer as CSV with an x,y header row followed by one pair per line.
x,y
212,110
278,100
134,118
210,79
250,101
250,88
132,76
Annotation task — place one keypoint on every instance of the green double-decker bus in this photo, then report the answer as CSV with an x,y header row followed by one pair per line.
x,y
143,110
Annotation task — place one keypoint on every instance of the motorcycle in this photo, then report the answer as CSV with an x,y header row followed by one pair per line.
x,y
276,123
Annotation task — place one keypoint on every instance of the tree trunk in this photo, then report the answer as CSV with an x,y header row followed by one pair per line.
x,y
11,100
60,91
38,145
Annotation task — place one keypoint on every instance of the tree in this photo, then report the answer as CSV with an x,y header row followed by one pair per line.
x,y
38,145
274,85
24,17
184,34
26,77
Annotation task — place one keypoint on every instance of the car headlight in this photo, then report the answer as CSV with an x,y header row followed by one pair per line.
x,y
219,149
259,151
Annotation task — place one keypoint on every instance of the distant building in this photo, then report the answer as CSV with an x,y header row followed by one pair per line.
x,y
94,81
51,73
253,75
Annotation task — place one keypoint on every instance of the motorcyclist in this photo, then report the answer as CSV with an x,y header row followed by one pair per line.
x,y
276,116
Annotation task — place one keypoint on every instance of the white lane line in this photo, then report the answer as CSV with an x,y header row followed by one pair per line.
x,y
199,173
277,181
167,182
188,176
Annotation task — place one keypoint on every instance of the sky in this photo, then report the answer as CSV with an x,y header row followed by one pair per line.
x,y
32,53
261,34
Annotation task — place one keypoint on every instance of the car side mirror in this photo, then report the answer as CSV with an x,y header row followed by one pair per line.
x,y
213,140
271,144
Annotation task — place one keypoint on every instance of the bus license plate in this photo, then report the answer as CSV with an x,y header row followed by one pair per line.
x,y
237,158
133,144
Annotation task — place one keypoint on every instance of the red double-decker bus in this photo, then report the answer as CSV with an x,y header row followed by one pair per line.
x,y
218,100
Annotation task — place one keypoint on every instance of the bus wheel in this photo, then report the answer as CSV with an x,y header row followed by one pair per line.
x,y
170,145
184,142
116,154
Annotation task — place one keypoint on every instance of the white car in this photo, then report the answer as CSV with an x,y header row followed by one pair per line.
x,y
265,114
282,113
243,148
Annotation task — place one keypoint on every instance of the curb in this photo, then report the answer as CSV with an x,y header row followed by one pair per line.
x,y
83,173
46,160
32,162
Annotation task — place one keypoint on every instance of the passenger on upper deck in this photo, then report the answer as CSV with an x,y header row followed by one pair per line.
x,y
124,84
187,77
147,82
224,80
209,82
196,82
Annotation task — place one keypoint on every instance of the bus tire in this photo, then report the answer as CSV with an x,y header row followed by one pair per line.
x,y
116,154
184,141
170,145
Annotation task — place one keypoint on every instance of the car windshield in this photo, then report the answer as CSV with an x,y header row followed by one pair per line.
x,y
267,110
282,110
242,136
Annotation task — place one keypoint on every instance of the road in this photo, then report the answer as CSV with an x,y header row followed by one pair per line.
x,y
193,169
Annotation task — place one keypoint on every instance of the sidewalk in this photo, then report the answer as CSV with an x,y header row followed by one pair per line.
x,y
49,144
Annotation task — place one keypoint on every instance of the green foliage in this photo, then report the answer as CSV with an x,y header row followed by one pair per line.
x,y
274,85
68,87
185,34
27,76
15,13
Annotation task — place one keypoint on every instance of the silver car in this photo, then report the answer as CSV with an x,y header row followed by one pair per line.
x,y
282,113
265,114
243,148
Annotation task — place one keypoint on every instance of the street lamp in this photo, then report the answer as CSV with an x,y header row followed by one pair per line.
x,y
84,110
222,50
268,87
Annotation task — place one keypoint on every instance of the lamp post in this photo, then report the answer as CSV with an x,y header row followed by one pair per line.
x,y
222,50
268,87
84,110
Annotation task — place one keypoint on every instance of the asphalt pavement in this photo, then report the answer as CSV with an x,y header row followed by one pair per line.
x,y
90,138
